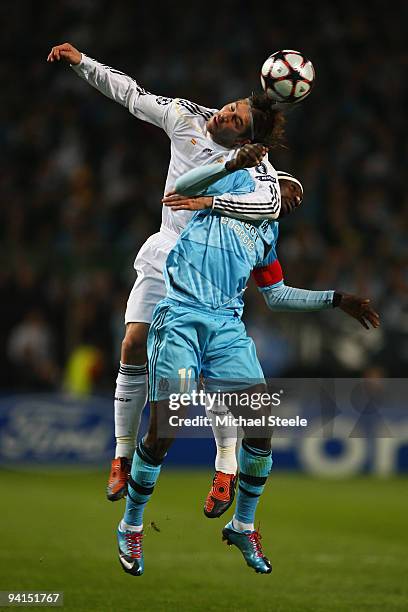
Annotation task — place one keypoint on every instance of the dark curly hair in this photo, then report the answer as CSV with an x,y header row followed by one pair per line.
x,y
269,122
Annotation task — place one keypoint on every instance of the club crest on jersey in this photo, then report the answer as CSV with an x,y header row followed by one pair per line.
x,y
261,168
162,100
208,151
164,384
262,173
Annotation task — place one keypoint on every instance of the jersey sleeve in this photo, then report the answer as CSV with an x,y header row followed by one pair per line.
x,y
280,297
262,203
212,180
117,86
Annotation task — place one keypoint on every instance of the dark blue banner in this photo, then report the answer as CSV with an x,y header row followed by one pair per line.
x,y
56,430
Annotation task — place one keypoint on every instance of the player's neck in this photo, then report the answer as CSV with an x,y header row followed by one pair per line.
x,y
223,146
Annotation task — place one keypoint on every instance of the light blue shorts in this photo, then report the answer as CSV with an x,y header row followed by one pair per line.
x,y
185,342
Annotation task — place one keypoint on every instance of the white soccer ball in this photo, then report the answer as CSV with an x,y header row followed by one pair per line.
x,y
287,76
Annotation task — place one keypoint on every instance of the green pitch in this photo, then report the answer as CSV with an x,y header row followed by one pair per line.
x,y
334,545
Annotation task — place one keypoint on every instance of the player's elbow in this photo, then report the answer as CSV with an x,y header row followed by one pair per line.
x,y
269,210
275,305
275,298
270,214
273,216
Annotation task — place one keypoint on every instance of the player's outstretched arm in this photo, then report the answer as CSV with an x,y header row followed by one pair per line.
x,y
280,297
117,86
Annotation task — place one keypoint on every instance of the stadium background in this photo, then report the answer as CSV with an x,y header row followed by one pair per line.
x,y
80,187
81,179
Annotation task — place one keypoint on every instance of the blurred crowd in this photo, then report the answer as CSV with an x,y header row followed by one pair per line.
x,y
81,180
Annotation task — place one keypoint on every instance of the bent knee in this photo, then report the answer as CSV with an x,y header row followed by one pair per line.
x,y
157,448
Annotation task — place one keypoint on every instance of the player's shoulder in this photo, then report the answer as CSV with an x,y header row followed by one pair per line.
x,y
187,108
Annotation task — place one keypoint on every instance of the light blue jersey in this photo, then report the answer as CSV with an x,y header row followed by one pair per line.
x,y
213,258
197,329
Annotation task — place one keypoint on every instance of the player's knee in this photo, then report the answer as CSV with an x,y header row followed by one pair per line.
x,y
157,448
134,346
262,444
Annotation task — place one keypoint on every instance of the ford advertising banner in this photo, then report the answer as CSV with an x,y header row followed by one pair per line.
x,y
339,439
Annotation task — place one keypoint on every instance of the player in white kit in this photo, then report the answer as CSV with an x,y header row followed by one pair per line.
x,y
198,136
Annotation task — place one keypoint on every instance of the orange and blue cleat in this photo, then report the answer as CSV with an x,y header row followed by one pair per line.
x,y
221,495
118,478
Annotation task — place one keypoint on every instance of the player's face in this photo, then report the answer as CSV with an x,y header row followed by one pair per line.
x,y
291,197
231,125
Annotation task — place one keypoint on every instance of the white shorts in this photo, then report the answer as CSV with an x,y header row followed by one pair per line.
x,y
149,287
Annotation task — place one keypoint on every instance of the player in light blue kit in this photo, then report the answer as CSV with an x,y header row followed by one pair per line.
x,y
197,329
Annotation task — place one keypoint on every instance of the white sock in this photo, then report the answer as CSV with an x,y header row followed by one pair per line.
x,y
130,399
126,527
238,526
226,460
225,438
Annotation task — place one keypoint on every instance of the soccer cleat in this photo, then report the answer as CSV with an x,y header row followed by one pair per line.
x,y
118,478
131,551
221,495
249,543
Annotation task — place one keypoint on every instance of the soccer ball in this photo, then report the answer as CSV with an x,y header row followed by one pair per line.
x,y
287,76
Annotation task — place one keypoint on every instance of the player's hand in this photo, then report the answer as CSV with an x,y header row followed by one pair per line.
x,y
176,201
360,309
249,156
65,52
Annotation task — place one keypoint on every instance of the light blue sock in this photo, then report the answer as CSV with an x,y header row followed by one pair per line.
x,y
254,467
143,476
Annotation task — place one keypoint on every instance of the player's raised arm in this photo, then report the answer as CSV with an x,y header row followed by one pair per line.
x,y
263,202
231,179
207,180
118,87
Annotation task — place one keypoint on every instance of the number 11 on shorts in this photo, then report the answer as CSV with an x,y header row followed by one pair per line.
x,y
185,381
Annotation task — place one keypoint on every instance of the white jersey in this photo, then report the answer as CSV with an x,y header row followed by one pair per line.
x,y
191,143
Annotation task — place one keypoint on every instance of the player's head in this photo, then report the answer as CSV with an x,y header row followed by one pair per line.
x,y
291,193
253,119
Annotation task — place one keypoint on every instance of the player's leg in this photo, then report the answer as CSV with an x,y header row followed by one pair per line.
x,y
170,350
255,463
254,466
131,388
131,384
222,491
255,457
130,399
221,494
146,465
